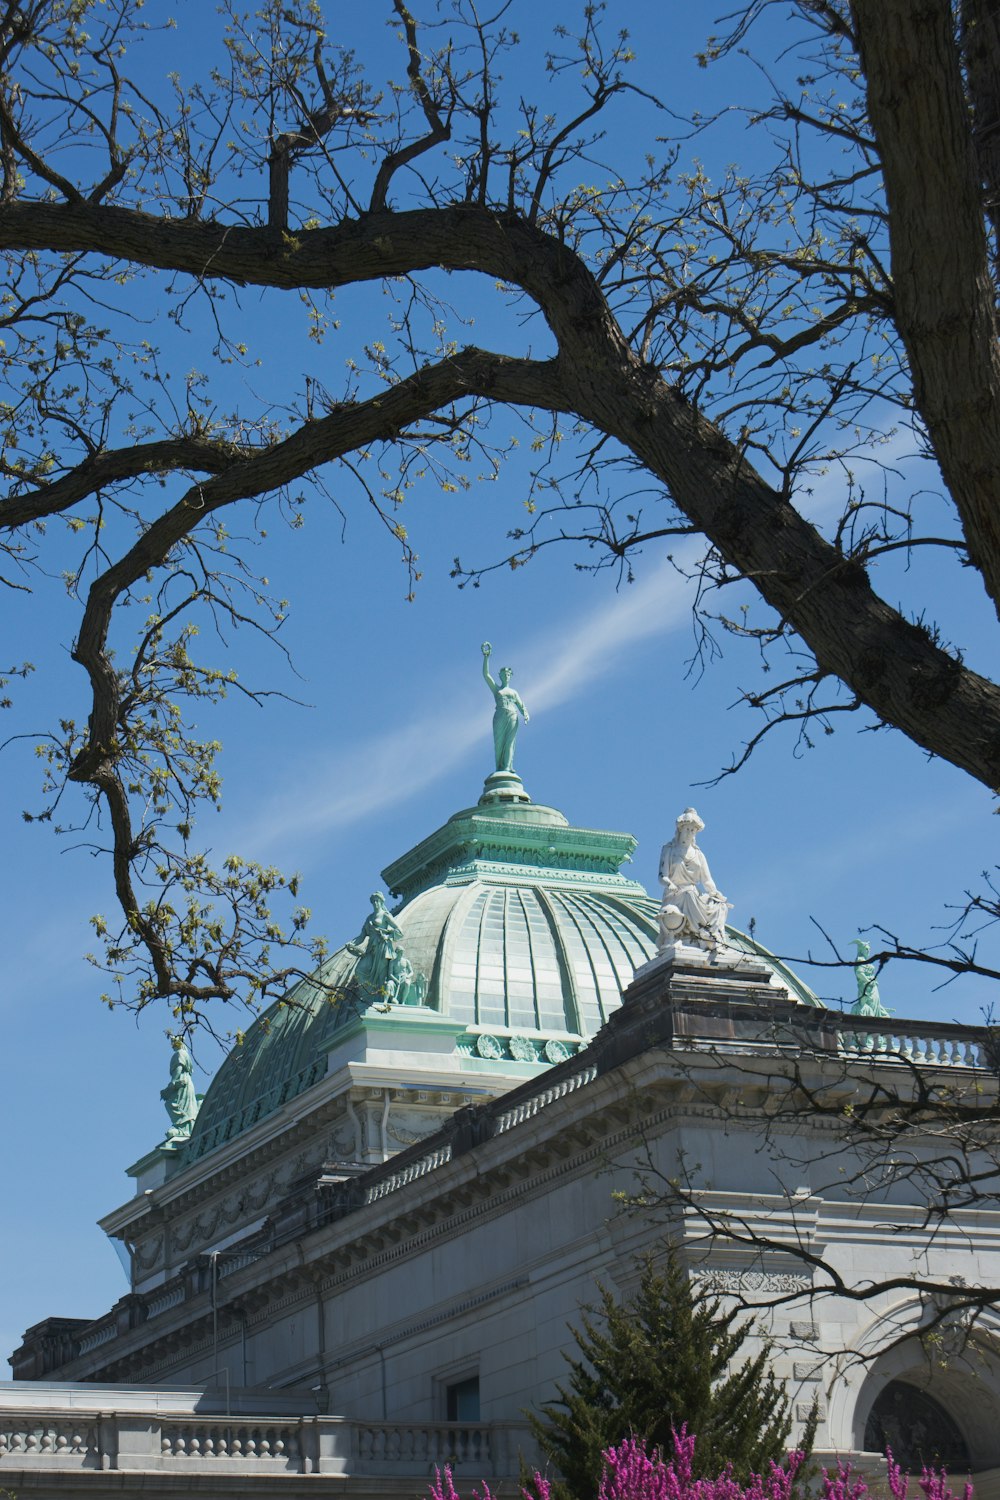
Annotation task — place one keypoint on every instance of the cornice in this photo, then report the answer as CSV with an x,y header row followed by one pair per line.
x,y
477,840
634,1078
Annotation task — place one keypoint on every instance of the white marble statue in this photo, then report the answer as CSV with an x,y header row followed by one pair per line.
x,y
694,910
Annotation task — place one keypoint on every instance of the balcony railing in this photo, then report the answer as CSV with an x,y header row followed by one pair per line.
x,y
139,1441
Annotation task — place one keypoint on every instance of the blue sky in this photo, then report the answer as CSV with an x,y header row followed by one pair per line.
x,y
392,734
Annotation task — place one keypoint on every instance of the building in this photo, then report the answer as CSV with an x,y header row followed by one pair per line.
x,y
364,1256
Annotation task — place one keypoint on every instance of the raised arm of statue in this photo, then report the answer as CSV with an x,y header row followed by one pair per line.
x,y
487,652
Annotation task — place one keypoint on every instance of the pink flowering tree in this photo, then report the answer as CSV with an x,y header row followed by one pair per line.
x,y
631,1472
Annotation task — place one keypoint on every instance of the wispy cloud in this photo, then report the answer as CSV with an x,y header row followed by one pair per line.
x,y
563,666
334,790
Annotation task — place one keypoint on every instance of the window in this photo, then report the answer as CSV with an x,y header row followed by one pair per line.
x,y
462,1400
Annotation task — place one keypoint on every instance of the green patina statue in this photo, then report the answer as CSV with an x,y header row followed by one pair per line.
x,y
383,970
869,1002
179,1096
508,706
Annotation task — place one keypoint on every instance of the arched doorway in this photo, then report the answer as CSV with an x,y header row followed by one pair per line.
x,y
918,1429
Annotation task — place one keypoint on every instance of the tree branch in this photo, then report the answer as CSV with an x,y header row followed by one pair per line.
x,y
890,664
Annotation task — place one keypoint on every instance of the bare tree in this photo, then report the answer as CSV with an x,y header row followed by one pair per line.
x,y
726,339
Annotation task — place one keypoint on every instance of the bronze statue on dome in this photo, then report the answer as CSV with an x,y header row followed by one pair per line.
x,y
383,970
508,706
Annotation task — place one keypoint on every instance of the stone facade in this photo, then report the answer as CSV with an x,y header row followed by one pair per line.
x,y
418,1227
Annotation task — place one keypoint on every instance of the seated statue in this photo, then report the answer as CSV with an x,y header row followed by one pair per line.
x,y
694,910
408,987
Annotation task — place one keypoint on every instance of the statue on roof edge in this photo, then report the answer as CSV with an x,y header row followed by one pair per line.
x,y
383,970
179,1097
869,1002
508,706
694,910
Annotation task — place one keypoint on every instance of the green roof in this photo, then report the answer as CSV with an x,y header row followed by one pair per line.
x,y
521,924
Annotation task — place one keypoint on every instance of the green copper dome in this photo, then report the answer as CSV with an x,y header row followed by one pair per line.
x,y
523,927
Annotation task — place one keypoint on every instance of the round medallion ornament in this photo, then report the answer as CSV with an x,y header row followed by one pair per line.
x,y
521,1049
488,1046
556,1052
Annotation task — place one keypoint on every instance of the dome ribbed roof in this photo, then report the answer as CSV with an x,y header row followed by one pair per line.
x,y
522,926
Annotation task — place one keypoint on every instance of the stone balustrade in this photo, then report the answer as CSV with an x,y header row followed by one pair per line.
x,y
158,1442
573,1078
922,1043
101,1333
391,1447
417,1164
